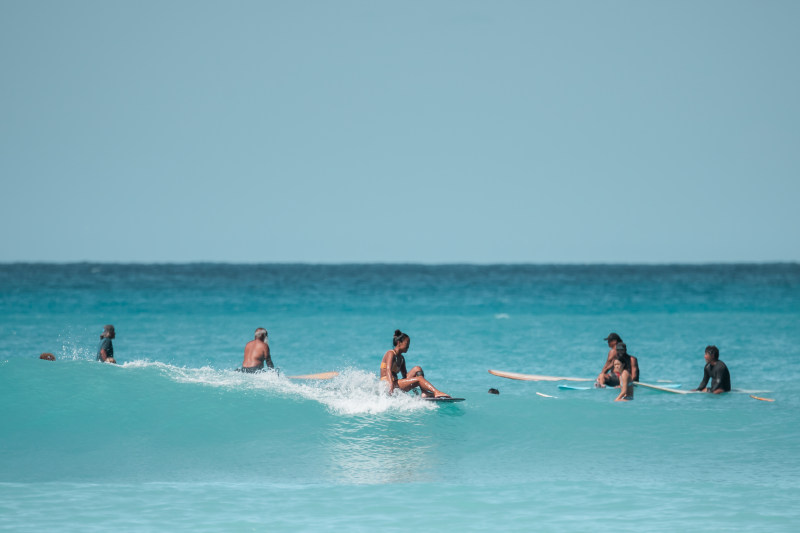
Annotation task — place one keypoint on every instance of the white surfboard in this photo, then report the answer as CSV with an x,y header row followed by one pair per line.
x,y
533,377
678,391
662,389
578,387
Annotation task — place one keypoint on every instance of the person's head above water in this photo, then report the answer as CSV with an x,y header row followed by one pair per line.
x,y
261,334
108,332
399,338
713,353
622,349
612,339
622,362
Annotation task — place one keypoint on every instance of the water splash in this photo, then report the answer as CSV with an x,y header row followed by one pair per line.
x,y
352,392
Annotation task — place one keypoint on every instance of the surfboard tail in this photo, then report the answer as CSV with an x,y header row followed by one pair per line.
x,y
321,375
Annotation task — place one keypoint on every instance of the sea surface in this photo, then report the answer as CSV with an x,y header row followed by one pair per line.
x,y
172,439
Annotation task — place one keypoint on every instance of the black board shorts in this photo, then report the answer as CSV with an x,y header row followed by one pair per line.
x,y
250,369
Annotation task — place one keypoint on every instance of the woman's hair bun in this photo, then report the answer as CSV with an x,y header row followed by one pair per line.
x,y
399,336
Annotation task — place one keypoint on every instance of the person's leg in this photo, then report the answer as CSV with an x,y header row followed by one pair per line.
x,y
410,383
607,380
416,371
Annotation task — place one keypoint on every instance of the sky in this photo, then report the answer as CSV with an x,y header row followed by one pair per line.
x,y
433,131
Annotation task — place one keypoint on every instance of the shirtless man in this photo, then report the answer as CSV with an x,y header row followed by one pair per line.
x,y
256,353
606,378
394,363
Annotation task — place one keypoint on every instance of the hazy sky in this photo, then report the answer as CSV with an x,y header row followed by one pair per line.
x,y
415,131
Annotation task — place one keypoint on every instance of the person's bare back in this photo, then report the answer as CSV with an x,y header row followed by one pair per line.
x,y
256,353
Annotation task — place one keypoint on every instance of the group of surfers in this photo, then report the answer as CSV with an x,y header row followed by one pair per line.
x,y
621,369
393,365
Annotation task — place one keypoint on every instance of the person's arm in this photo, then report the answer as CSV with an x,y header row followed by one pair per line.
x,y
609,363
706,377
624,380
634,369
103,352
268,358
386,370
403,371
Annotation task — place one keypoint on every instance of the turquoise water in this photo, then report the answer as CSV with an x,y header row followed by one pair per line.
x,y
173,439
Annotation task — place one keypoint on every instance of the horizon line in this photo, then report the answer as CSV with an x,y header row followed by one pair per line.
x,y
404,263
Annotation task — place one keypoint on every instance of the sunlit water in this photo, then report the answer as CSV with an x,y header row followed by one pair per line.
x,y
174,439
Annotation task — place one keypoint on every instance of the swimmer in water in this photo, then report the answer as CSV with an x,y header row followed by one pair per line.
x,y
622,370
394,363
105,352
716,371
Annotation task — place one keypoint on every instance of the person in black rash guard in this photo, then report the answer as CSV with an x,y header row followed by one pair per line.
x,y
716,371
105,352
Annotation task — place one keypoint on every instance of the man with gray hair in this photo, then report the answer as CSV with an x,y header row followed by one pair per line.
x,y
256,353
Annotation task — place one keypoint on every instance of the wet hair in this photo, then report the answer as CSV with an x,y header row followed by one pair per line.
x,y
625,359
494,391
399,337
107,329
261,334
713,351
621,347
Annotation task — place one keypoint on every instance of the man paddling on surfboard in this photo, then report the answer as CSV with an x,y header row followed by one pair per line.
x,y
607,378
256,353
716,371
394,362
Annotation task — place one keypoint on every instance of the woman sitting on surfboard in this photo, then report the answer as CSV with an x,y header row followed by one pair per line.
x,y
622,368
394,362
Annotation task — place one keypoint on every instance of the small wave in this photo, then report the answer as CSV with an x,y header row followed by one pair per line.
x,y
352,392
502,316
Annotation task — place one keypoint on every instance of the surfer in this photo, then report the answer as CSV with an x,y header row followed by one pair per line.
x,y
622,370
256,353
105,352
394,362
715,370
606,378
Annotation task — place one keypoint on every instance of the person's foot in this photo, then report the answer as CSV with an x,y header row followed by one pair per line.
x,y
441,395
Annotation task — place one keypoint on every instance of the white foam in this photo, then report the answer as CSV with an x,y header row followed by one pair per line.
x,y
355,391
352,392
502,316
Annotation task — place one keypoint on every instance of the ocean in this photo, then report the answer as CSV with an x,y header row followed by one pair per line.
x,y
173,439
